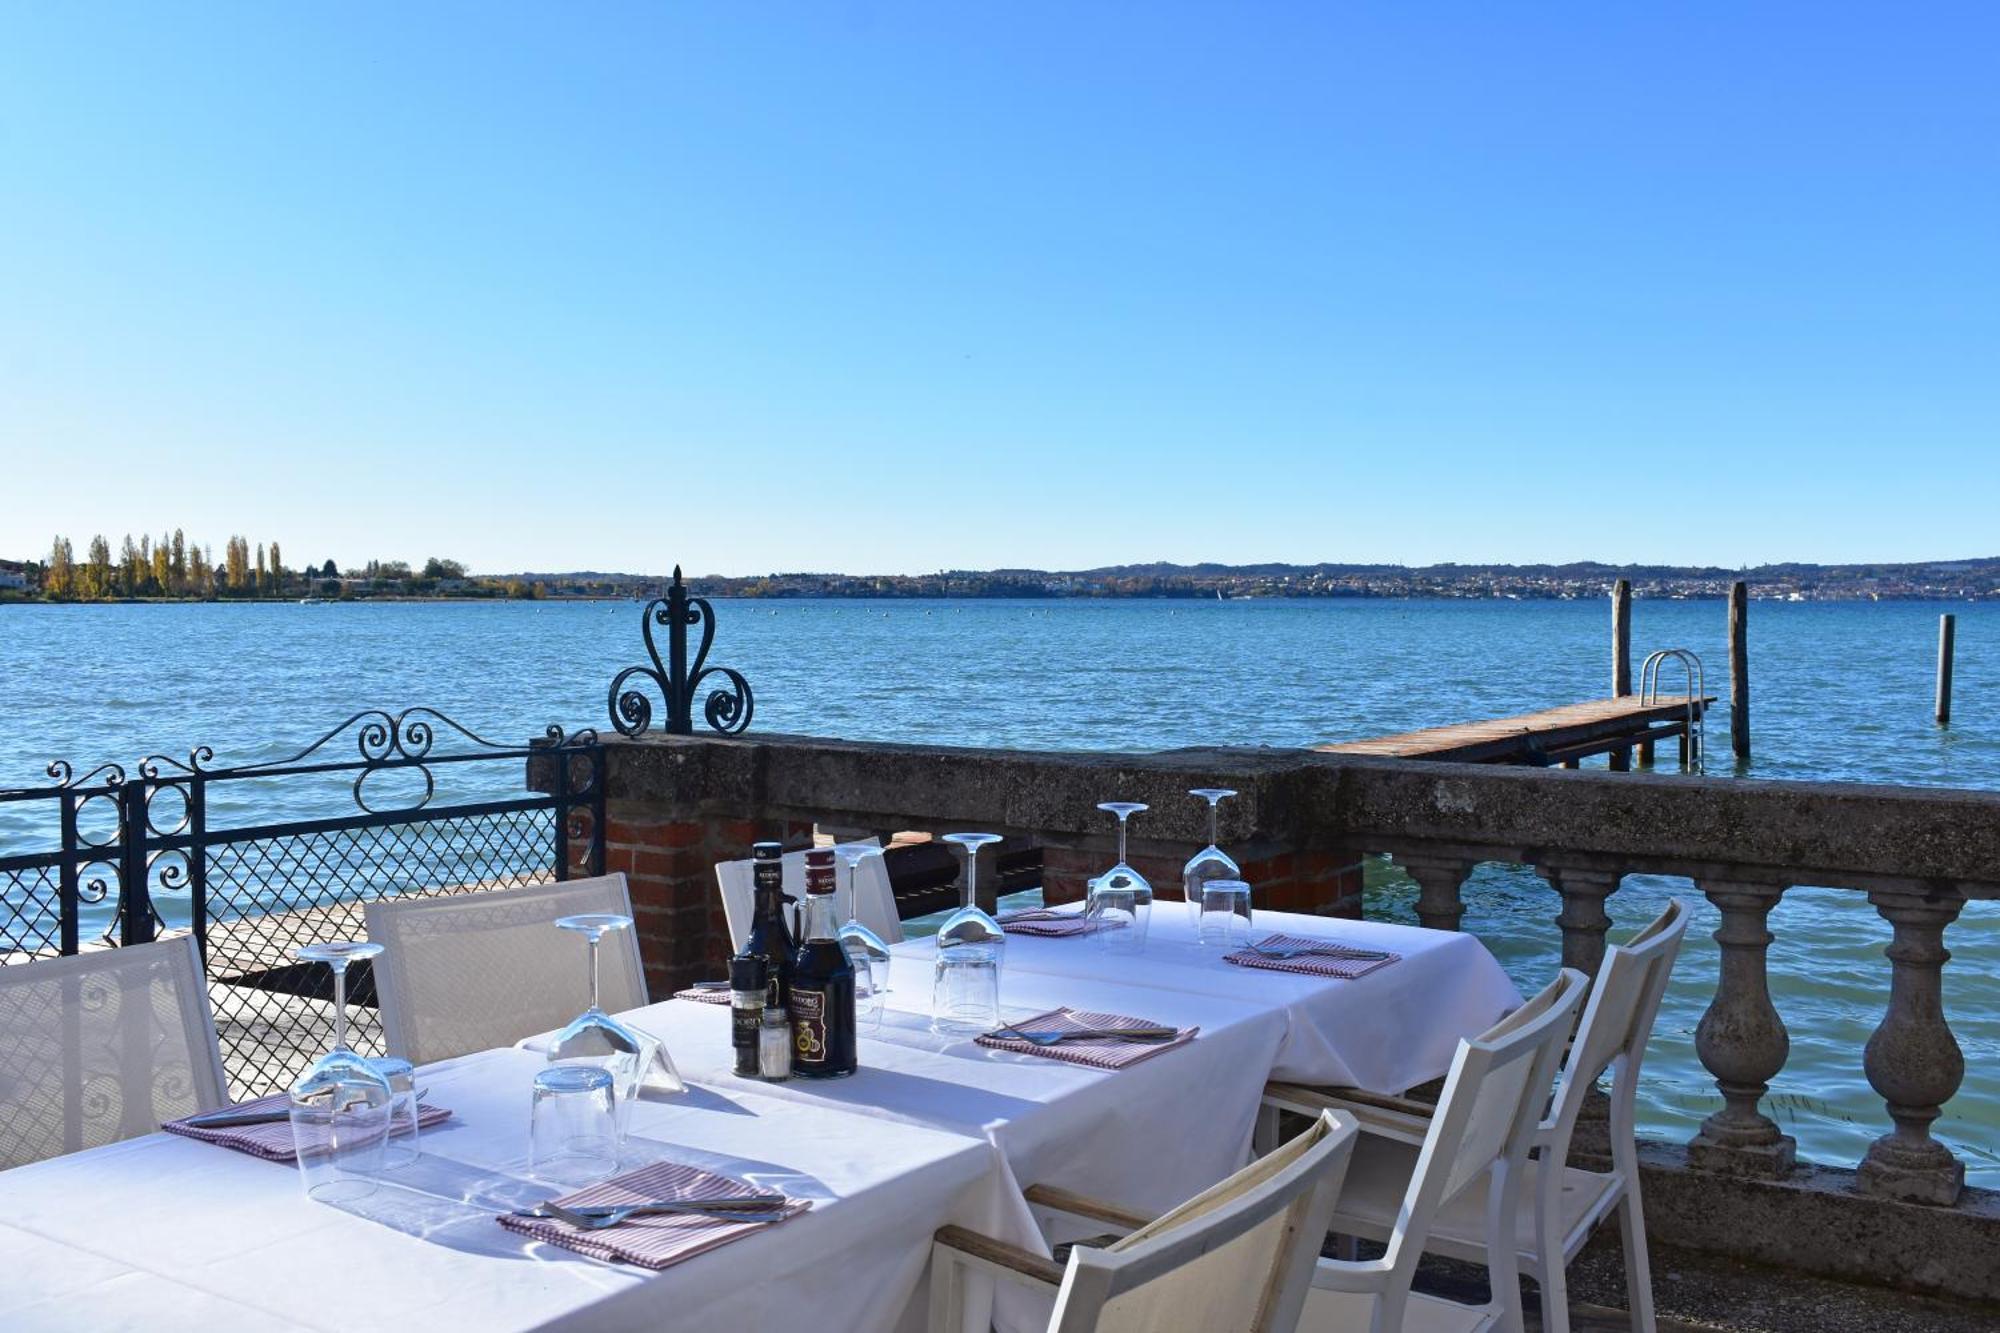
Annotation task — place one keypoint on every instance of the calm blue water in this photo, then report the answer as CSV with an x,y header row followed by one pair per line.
x,y
1841,691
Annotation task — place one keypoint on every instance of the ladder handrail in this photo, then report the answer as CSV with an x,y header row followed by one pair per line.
x,y
1697,694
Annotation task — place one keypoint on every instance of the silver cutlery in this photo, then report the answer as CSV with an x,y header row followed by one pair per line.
x,y
721,1210
1320,951
231,1118
1056,1036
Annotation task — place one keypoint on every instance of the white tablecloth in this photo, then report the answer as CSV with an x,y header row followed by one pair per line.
x,y
209,1237
1388,1031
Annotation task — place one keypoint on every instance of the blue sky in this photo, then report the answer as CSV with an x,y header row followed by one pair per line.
x,y
903,287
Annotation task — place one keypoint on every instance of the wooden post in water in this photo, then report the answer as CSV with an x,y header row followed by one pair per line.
x,y
1739,669
1621,637
1947,630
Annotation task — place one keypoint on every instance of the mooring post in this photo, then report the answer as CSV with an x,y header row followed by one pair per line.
x,y
1947,629
1739,669
1621,637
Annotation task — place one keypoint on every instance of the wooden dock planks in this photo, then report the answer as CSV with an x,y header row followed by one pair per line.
x,y
1554,733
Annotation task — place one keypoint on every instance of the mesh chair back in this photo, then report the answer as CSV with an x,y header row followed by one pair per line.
x,y
1237,1256
876,908
103,1046
471,971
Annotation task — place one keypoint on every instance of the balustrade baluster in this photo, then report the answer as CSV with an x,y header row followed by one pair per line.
x,y
1742,1041
1912,1060
1582,919
1438,882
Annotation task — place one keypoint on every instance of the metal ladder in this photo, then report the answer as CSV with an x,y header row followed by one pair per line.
x,y
1697,690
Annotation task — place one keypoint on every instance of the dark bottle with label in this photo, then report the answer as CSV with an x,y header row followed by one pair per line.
x,y
769,937
746,1009
823,1028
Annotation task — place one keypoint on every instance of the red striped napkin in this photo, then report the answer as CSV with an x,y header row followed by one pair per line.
x,y
1098,1053
704,995
273,1140
1330,964
659,1240
1047,921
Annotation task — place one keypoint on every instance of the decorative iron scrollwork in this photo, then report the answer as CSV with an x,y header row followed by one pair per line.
x,y
728,707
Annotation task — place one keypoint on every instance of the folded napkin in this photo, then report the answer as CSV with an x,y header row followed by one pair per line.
x,y
1098,1053
701,995
1329,964
273,1140
658,1240
1047,921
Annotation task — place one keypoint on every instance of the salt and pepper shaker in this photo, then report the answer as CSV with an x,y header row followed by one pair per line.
x,y
774,1046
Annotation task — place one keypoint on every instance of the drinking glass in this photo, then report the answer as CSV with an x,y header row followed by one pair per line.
x,y
340,1108
866,952
1121,901
1225,912
573,1125
1211,862
965,987
595,1038
401,1150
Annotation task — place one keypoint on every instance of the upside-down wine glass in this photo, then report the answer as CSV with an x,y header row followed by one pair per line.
x,y
965,992
866,952
1211,862
340,1108
1121,901
594,1037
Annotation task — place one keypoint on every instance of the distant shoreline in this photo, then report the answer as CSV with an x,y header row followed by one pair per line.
x,y
1819,598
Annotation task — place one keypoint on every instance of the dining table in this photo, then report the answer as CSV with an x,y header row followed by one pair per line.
x,y
165,1232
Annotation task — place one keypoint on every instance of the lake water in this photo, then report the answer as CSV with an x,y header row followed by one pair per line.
x,y
1841,691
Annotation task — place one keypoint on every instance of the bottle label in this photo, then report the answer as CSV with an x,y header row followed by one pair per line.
x,y
808,1026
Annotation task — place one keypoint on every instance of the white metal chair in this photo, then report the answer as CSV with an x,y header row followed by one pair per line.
x,y
1236,1257
1476,1145
1560,1205
104,1046
468,972
876,910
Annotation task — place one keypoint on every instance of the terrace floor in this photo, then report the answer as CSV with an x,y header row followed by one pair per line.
x,y
1697,1293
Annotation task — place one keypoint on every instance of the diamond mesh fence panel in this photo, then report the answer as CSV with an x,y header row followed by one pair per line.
x,y
269,895
30,914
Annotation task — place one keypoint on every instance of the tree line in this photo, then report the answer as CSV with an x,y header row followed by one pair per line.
x,y
172,567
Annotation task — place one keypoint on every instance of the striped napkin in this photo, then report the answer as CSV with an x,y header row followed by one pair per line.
x,y
1335,964
704,995
273,1140
1049,922
661,1239
1099,1053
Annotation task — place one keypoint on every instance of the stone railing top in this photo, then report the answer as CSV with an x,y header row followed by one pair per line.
x,y
1906,839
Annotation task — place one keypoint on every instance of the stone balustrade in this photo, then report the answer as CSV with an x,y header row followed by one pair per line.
x,y
1305,821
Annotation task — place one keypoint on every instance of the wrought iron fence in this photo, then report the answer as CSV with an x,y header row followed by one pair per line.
x,y
183,846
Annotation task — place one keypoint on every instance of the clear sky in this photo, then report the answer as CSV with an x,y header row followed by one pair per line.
x,y
899,287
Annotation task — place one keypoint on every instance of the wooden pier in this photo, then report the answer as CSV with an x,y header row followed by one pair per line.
x,y
1565,735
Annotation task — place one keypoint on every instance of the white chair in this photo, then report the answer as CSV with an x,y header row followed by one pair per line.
x,y
877,909
104,1046
1476,1146
1237,1256
1560,1205
467,972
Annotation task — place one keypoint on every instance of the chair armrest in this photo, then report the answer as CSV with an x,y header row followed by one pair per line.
x,y
1358,1275
1080,1205
1399,1118
998,1256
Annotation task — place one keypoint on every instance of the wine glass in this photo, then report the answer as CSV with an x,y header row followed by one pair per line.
x,y
1211,862
340,1108
866,952
594,1037
965,992
1121,900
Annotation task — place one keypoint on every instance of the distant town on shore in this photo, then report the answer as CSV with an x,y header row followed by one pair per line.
x,y
174,570
143,575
